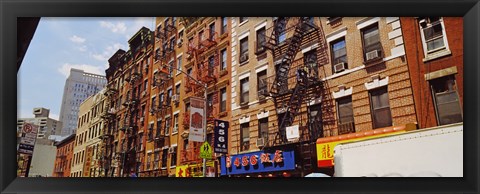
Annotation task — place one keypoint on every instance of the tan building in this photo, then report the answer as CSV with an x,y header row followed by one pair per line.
x,y
323,76
87,150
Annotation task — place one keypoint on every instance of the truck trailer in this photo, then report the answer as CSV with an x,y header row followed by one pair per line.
x,y
431,152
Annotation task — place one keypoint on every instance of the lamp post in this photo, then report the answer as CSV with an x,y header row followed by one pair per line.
x,y
164,75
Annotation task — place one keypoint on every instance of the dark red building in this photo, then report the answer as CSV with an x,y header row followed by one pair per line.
x,y
434,52
63,160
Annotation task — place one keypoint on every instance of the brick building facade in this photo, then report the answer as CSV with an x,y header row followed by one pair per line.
x,y
434,48
63,160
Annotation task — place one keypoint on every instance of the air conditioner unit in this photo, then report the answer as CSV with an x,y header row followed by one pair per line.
x,y
176,98
144,93
244,57
339,67
372,55
260,142
171,150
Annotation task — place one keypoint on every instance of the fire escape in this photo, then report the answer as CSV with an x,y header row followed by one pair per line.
x,y
205,57
167,54
298,82
108,116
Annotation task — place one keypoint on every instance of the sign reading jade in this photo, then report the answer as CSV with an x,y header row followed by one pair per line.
x,y
197,125
256,162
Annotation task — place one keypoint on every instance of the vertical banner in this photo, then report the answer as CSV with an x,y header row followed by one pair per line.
x,y
88,161
27,141
197,125
221,136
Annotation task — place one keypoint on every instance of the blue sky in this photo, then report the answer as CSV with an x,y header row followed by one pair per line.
x,y
63,43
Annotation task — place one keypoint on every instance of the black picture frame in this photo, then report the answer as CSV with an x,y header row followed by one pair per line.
x,y
10,10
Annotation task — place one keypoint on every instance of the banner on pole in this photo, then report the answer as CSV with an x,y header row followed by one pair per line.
x,y
197,125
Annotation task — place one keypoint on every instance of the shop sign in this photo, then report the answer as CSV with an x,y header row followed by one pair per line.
x,y
325,150
256,162
221,136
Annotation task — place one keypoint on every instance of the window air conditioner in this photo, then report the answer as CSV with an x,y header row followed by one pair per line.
x,y
171,150
372,55
260,142
339,67
244,57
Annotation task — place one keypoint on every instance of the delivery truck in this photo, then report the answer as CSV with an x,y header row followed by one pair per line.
x,y
431,152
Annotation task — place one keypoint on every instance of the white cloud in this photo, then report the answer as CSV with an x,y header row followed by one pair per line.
x,y
107,52
77,39
119,27
82,48
65,69
54,116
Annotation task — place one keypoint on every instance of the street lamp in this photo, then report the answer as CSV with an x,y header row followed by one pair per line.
x,y
163,75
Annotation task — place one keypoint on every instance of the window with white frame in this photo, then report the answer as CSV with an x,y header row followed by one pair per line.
x,y
243,50
175,123
244,91
179,65
432,31
223,54
224,25
167,125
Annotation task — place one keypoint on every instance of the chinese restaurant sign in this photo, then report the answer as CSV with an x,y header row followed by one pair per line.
x,y
197,127
257,162
221,136
325,150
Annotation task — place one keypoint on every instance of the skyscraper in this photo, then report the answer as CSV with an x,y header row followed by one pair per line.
x,y
78,87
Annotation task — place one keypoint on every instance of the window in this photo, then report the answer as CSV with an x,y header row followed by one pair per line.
x,y
261,39
263,128
432,34
156,159
164,158
244,87
345,115
211,28
371,43
150,132
223,99
175,123
380,108
173,159
177,89
339,55
210,105
161,100
223,54
159,127
200,35
167,125
243,19
446,100
262,84
211,65
224,25
243,50
169,96
179,65
153,102
149,159
245,133
145,85
281,25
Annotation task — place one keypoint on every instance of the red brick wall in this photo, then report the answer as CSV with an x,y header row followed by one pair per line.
x,y
415,55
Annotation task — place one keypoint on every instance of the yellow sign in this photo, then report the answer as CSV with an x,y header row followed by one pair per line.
x,y
192,170
206,151
182,171
325,150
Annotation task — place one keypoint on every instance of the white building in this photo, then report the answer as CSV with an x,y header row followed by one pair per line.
x,y
78,87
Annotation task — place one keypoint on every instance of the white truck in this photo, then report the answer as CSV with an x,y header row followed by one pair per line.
x,y
431,152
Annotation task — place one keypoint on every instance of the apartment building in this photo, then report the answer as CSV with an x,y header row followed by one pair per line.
x,y
206,59
78,87
300,79
434,47
63,160
87,150
129,77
